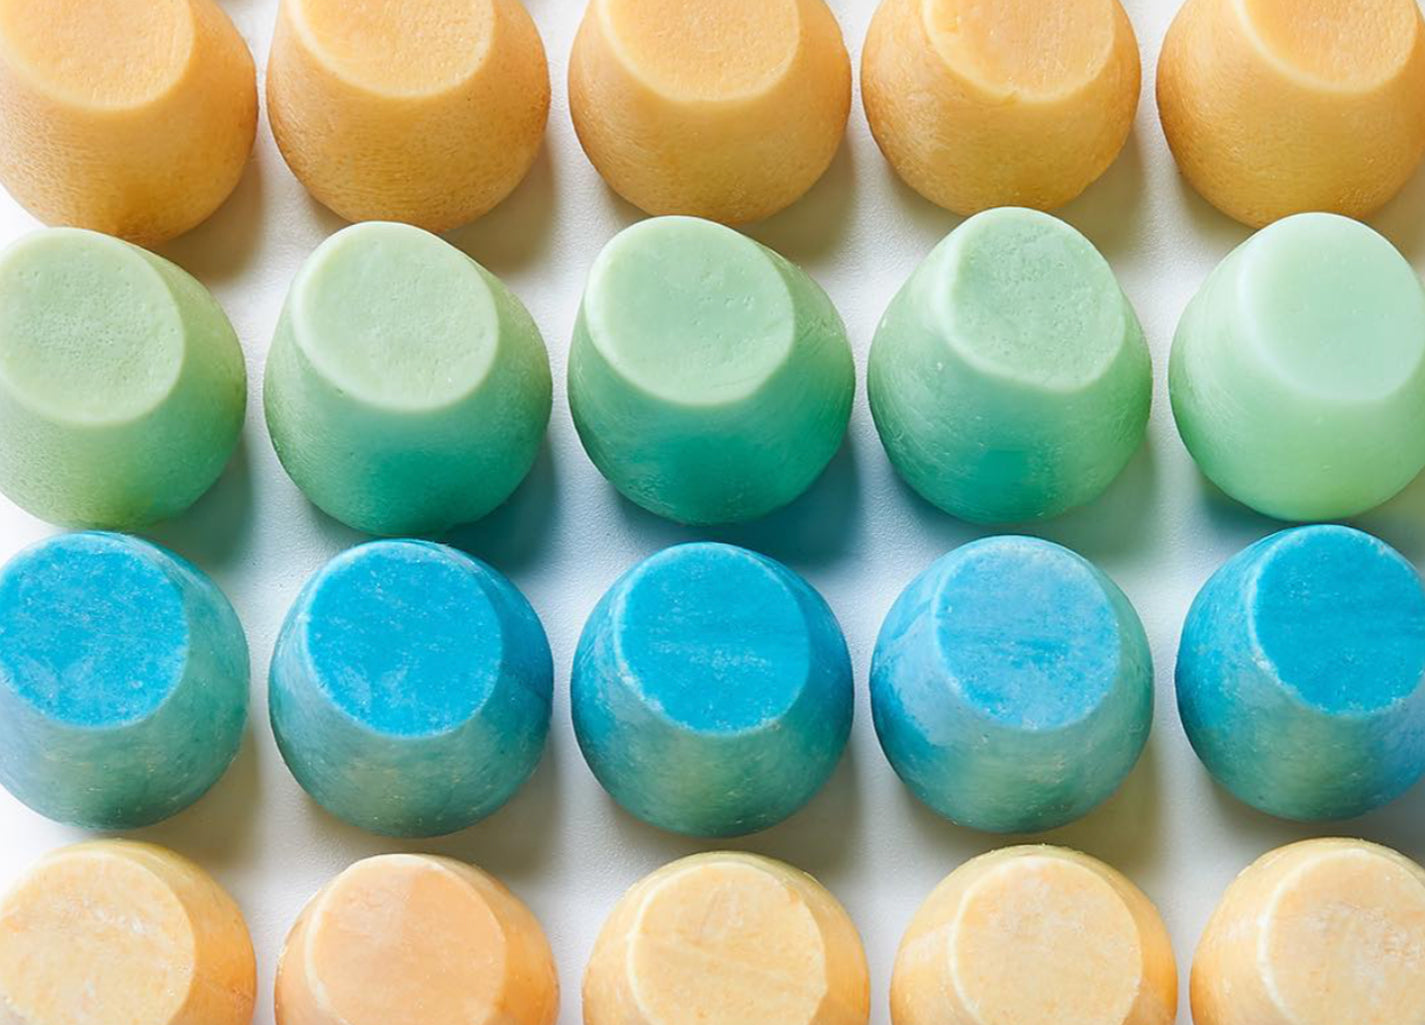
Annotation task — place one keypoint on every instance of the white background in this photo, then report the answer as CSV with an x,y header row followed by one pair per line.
x,y
859,536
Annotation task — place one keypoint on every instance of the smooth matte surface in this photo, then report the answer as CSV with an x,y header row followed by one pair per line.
x,y
407,388
1012,686
429,112
1298,370
1301,674
123,681
859,537
1035,934
410,689
712,691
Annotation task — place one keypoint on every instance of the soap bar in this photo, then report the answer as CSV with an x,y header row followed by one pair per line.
x,y
1316,933
727,939
1012,103
424,111
407,939
730,110
407,389
1301,674
712,691
410,689
1012,686
123,681
122,386
1274,109
1298,371
1031,935
131,117
1009,379
118,933
710,380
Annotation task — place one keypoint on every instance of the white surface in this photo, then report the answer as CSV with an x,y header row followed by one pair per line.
x,y
859,536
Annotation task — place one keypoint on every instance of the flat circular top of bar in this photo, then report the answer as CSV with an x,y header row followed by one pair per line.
x,y
371,44
1023,48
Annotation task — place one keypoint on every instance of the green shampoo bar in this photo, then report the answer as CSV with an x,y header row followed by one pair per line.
x,y
122,386
408,390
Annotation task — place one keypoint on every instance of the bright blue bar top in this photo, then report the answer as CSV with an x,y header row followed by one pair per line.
x,y
712,691
411,688
1299,674
123,680
1012,685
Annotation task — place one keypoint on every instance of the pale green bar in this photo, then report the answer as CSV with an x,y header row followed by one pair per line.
x,y
407,389
122,385
710,380
1298,371
1009,378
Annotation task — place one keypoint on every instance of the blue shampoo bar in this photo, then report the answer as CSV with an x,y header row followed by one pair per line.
x,y
1012,686
123,681
410,689
712,691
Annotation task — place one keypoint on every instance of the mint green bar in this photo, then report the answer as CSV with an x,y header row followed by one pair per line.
x,y
710,379
122,385
1298,371
1009,379
407,389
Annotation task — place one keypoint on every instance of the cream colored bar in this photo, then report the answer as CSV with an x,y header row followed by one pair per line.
x,y
1317,933
407,939
727,939
1035,934
119,933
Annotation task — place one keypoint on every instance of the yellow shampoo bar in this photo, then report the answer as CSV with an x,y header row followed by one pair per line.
x,y
423,111
1279,107
130,117
724,109
1011,103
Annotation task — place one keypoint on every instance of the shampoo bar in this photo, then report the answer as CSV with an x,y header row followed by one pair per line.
x,y
712,691
1317,933
1009,379
727,939
710,379
117,933
1012,686
131,117
424,111
123,681
1298,371
1301,674
1011,103
728,110
1275,107
407,939
407,388
410,688
122,387
1035,935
